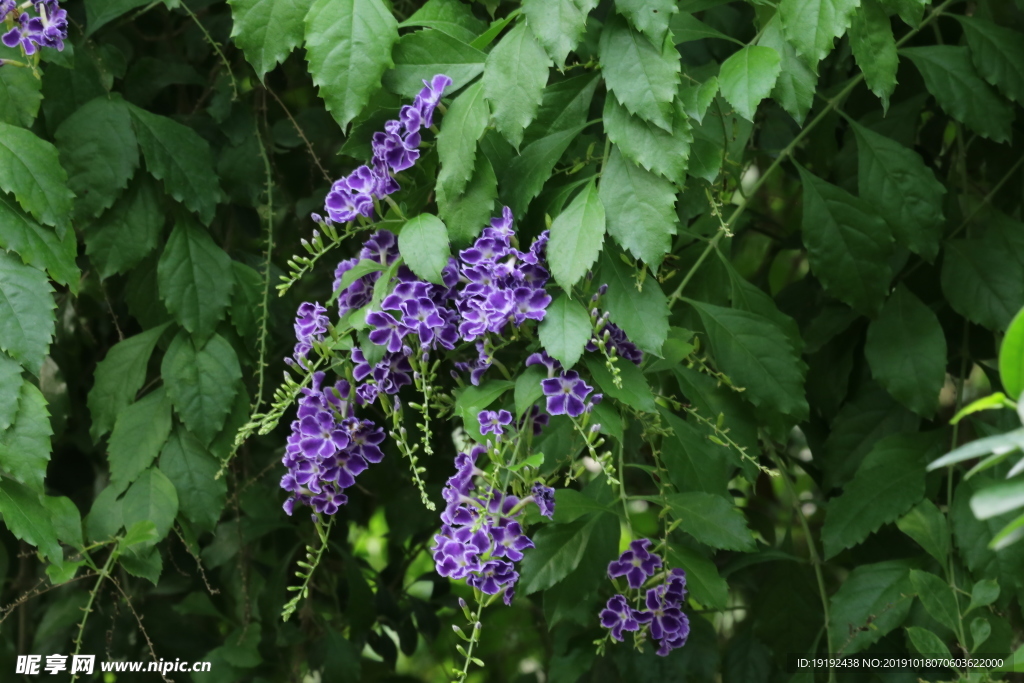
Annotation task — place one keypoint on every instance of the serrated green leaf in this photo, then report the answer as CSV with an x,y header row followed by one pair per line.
x,y
27,317
566,329
1011,357
693,462
997,53
795,86
25,445
10,390
848,244
888,483
104,519
571,504
141,532
696,96
201,383
927,525
152,497
748,76
702,577
812,25
875,49
140,431
577,235
650,17
906,350
178,156
926,642
37,245
640,208
558,25
119,239
982,282
634,392
66,519
348,49
451,16
649,146
643,77
528,390
28,519
643,313
193,471
423,243
532,168
421,55
98,13
247,299
466,214
712,520
878,594
560,548
910,11
267,30
686,27
20,94
951,78
461,130
195,279
565,105
30,170
937,597
514,78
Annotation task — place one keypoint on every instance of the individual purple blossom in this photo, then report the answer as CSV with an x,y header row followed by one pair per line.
x,y
636,564
509,540
422,317
667,621
387,332
542,358
619,616
492,422
544,497
529,304
566,394
492,575
427,99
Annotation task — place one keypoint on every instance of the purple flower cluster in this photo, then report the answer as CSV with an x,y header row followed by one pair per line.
x,y
48,28
310,326
328,447
395,149
481,537
663,615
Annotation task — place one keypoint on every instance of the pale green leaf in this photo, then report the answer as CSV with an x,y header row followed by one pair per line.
x,y
422,55
423,243
696,96
748,76
140,431
25,445
635,392
992,501
795,86
461,129
649,146
1011,357
10,390
27,316
712,520
875,49
566,329
984,593
651,17
119,239
997,53
66,519
643,77
105,516
528,390
577,235
30,170
201,383
558,25
27,518
812,25
514,78
193,471
267,30
686,28
641,313
37,245
565,105
454,17
152,497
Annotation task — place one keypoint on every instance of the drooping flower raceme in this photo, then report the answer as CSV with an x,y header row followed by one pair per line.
x,y
47,27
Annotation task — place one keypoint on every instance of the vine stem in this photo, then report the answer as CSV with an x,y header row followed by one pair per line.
x,y
472,639
103,574
264,304
216,47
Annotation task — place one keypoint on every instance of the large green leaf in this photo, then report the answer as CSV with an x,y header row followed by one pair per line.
x,y
873,600
10,390
641,313
348,48
30,170
982,282
577,235
195,279
179,157
640,208
651,17
565,105
193,471
906,349
19,93
712,520
693,462
152,497
702,577
25,445
99,151
28,519
757,356
421,55
997,53
795,86
937,597
894,179
423,243
812,25
37,245
566,329
643,77
466,213
648,145
532,168
119,376
848,244
267,30
201,383
557,24
514,79
560,548
888,483
140,431
927,525
1011,358
634,391
875,49
98,13
952,79
461,129
119,239
748,76
27,317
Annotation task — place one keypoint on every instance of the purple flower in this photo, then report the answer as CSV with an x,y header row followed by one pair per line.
x,y
619,616
667,620
529,303
492,422
48,29
538,419
381,247
492,575
544,497
427,99
352,195
509,540
457,551
566,394
310,322
636,564
542,358
422,317
387,332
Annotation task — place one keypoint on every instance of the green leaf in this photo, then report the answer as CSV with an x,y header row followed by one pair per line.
x,y
535,460
696,96
926,642
461,129
702,577
874,599
980,631
140,431
25,445
848,244
28,519
997,443
152,497
565,105
423,243
31,171
10,390
247,299
984,593
532,168
98,13
634,392
193,471
895,180
1011,357
99,151
528,390
474,399
757,356
566,329
119,376
195,279
348,49
19,93
27,316
560,548
888,483
937,597
465,214
201,383
179,157
37,245
910,11
998,499
66,519
421,55
514,79
119,239
647,145
104,519
643,313
927,525
451,16
812,25
558,25
267,30
982,282
686,28
997,53
747,296
571,504
641,76
875,49
906,349
640,208
795,86
951,78
577,235
748,76
693,462
651,17
712,520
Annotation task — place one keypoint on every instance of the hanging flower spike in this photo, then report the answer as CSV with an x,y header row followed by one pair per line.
x,y
566,394
544,497
637,564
